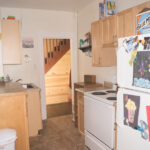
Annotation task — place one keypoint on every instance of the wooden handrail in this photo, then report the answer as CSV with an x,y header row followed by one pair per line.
x,y
45,50
54,49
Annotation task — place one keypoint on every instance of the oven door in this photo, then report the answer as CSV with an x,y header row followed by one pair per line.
x,y
99,120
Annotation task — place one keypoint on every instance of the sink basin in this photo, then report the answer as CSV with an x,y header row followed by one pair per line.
x,y
27,86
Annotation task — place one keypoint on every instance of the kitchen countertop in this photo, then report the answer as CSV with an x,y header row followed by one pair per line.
x,y
82,90
12,88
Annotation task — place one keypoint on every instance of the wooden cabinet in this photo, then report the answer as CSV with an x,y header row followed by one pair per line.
x,y
103,35
80,97
11,48
125,22
34,111
13,114
96,29
109,31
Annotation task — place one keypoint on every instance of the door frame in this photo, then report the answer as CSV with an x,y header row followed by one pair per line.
x,y
74,64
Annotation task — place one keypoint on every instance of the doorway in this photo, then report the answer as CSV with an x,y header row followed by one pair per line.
x,y
57,63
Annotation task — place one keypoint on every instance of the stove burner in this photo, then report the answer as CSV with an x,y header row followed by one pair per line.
x,y
111,98
99,93
111,91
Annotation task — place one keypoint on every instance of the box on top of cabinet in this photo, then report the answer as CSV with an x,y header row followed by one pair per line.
x,y
143,23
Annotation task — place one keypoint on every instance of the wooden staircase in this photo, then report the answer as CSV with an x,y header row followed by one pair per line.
x,y
54,49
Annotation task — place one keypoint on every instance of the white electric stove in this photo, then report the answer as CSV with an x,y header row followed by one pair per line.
x,y
99,108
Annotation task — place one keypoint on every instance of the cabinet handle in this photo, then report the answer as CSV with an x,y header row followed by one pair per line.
x,y
113,38
99,60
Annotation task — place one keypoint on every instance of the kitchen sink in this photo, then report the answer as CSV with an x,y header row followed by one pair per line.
x,y
27,86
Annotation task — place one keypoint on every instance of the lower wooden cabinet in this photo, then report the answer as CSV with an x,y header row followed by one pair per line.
x,y
34,111
80,97
13,114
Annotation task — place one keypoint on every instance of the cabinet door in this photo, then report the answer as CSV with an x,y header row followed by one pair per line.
x,y
125,23
96,29
13,114
11,42
34,115
108,57
120,24
81,116
112,29
109,31
105,24
129,22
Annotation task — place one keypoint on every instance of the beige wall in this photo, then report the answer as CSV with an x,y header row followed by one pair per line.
x,y
86,16
37,24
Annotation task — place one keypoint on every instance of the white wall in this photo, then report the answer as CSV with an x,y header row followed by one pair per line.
x,y
86,16
35,23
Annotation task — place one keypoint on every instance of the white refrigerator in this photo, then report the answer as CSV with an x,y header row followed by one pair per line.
x,y
133,97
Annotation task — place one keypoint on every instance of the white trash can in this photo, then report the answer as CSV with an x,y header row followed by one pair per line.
x,y
7,139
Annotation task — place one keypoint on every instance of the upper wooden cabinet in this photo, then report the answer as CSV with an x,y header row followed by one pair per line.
x,y
125,22
96,30
11,42
105,34
109,31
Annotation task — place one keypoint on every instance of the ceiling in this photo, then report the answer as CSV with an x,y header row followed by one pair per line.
x,y
64,5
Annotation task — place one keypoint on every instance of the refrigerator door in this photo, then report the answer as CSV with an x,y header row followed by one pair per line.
x,y
1,62
131,113
133,63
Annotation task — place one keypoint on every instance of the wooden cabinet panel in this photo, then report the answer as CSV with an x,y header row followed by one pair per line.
x,y
96,38
108,57
34,111
104,35
112,29
96,29
125,22
129,22
109,31
120,24
81,113
105,31
13,114
11,48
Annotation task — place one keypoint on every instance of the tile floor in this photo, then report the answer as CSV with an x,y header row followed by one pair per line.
x,y
59,133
